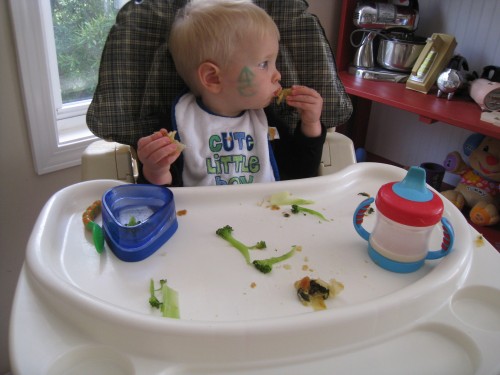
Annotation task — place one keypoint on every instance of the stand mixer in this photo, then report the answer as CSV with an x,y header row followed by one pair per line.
x,y
387,31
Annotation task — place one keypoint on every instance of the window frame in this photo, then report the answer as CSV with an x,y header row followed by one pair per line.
x,y
58,135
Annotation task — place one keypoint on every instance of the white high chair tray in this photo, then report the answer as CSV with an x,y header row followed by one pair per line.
x,y
78,312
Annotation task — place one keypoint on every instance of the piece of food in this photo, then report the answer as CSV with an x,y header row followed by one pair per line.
x,y
263,265
314,292
169,306
132,222
226,233
171,135
282,94
284,198
259,245
266,265
88,218
479,241
296,209
91,212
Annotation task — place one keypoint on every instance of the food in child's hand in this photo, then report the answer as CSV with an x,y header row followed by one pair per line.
x,y
282,94
171,135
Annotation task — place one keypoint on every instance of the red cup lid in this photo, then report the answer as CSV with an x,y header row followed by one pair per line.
x,y
410,202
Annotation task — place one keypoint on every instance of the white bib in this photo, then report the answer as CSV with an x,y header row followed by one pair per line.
x,y
222,150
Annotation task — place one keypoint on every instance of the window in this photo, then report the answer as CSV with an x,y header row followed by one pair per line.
x,y
59,44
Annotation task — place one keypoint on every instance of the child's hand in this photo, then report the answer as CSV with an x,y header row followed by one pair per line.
x,y
157,153
309,104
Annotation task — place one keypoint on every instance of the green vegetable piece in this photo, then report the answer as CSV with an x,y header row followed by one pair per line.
x,y
266,265
132,221
170,306
296,209
259,245
153,300
226,233
285,199
97,236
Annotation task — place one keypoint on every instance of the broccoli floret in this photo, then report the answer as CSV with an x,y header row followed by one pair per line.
x,y
170,306
154,302
259,245
226,233
266,265
296,209
132,222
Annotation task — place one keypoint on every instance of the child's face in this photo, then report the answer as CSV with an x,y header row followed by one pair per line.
x,y
251,80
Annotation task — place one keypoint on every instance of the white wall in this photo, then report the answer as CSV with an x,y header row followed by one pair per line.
x,y
22,192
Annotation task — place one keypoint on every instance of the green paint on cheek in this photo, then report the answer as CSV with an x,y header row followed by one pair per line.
x,y
245,82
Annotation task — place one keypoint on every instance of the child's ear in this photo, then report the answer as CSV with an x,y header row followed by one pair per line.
x,y
208,74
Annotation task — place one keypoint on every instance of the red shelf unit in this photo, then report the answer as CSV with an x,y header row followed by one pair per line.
x,y
461,112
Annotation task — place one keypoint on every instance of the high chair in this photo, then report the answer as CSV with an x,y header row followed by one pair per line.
x,y
112,160
138,82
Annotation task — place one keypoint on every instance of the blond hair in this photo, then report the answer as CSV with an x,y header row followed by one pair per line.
x,y
211,30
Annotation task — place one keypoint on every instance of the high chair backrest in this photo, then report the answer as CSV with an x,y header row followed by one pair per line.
x,y
138,81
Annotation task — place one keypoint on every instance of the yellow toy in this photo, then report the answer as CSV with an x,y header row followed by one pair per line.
x,y
480,180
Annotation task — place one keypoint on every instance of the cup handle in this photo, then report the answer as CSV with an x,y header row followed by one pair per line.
x,y
359,216
448,240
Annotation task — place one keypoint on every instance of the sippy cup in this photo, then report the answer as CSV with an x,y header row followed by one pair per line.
x,y
407,212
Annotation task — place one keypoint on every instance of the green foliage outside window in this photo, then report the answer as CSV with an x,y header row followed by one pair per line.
x,y
80,30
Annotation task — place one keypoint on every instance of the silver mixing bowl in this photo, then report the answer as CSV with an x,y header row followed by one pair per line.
x,y
399,54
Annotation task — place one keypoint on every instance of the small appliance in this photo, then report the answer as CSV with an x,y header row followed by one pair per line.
x,y
486,91
388,47
454,77
432,60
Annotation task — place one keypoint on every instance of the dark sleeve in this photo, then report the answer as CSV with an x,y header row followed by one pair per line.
x,y
298,156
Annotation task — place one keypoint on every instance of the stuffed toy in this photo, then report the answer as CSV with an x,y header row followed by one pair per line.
x,y
479,185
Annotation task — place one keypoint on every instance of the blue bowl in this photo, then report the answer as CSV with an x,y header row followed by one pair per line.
x,y
138,219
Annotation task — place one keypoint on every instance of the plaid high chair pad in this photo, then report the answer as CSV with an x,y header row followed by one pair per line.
x,y
138,82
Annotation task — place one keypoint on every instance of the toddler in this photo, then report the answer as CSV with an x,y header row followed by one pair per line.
x,y
226,51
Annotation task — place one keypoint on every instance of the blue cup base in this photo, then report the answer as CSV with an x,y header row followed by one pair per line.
x,y
392,265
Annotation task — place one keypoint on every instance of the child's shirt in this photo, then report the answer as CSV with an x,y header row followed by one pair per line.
x,y
223,150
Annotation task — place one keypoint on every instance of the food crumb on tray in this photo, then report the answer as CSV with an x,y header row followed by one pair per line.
x,y
479,241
